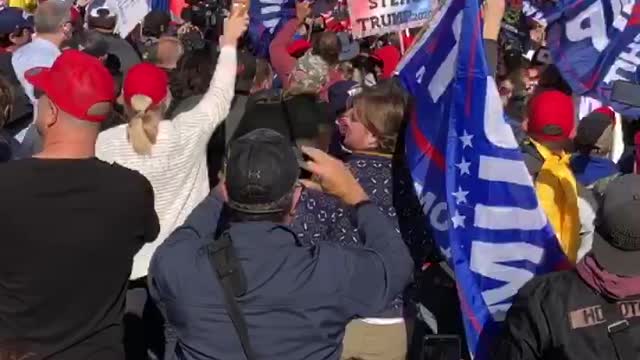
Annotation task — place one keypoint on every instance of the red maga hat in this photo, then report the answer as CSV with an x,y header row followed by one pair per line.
x,y
76,82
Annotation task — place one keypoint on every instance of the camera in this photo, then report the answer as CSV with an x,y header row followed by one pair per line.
x,y
205,14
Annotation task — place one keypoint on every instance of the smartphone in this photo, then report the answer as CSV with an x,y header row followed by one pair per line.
x,y
240,6
441,347
626,92
302,159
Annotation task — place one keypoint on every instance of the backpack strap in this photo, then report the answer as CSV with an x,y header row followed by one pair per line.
x,y
532,158
618,329
226,266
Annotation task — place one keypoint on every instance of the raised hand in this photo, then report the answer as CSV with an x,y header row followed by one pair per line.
x,y
236,25
333,177
303,10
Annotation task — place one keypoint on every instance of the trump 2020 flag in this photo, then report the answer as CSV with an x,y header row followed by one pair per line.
x,y
469,174
594,43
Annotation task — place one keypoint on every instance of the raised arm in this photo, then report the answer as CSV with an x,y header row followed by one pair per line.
x,y
282,62
381,271
493,13
214,107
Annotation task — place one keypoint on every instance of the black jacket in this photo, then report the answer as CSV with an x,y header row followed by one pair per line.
x,y
559,317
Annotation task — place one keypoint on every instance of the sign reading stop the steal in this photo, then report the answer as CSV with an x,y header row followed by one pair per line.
x,y
373,17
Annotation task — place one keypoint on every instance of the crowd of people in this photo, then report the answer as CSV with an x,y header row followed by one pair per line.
x,y
169,195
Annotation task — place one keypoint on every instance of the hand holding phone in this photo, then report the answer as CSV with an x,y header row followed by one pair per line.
x,y
240,7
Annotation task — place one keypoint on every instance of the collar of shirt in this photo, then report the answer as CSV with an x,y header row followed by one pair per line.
x,y
39,44
261,235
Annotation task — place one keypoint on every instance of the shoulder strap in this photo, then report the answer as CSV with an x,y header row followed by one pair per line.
x,y
532,159
618,328
227,268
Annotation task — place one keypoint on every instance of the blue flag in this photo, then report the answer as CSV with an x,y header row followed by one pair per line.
x,y
267,17
469,174
593,43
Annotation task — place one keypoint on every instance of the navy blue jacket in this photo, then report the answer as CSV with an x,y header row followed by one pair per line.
x,y
299,298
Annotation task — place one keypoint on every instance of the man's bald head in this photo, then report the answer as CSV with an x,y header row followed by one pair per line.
x,y
165,53
51,16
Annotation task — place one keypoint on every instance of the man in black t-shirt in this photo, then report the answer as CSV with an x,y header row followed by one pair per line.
x,y
70,225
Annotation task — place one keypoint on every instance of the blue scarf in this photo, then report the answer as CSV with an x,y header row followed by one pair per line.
x,y
589,168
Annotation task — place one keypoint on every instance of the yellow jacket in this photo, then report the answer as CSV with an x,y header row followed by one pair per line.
x,y
24,4
557,192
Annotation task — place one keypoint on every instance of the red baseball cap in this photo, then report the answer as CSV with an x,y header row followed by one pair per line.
x,y
606,111
145,79
551,116
390,57
298,47
76,82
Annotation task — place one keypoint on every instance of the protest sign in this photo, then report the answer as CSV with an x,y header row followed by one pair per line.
x,y
469,174
374,17
130,14
594,43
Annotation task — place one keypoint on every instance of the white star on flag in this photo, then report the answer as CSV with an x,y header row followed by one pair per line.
x,y
446,252
458,220
464,167
460,195
466,140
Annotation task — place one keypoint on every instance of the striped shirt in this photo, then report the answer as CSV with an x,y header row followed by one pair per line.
x,y
177,166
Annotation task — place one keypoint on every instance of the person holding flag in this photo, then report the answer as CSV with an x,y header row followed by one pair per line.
x,y
469,172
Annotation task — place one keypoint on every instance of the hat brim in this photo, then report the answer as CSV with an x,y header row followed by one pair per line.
x,y
613,260
256,209
549,138
40,78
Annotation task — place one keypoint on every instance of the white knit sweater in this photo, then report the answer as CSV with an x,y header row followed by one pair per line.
x,y
177,166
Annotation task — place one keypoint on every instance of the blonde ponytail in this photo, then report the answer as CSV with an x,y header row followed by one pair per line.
x,y
143,126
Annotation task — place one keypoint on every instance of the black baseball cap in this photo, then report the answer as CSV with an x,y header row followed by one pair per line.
x,y
339,95
261,168
591,129
616,244
156,23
